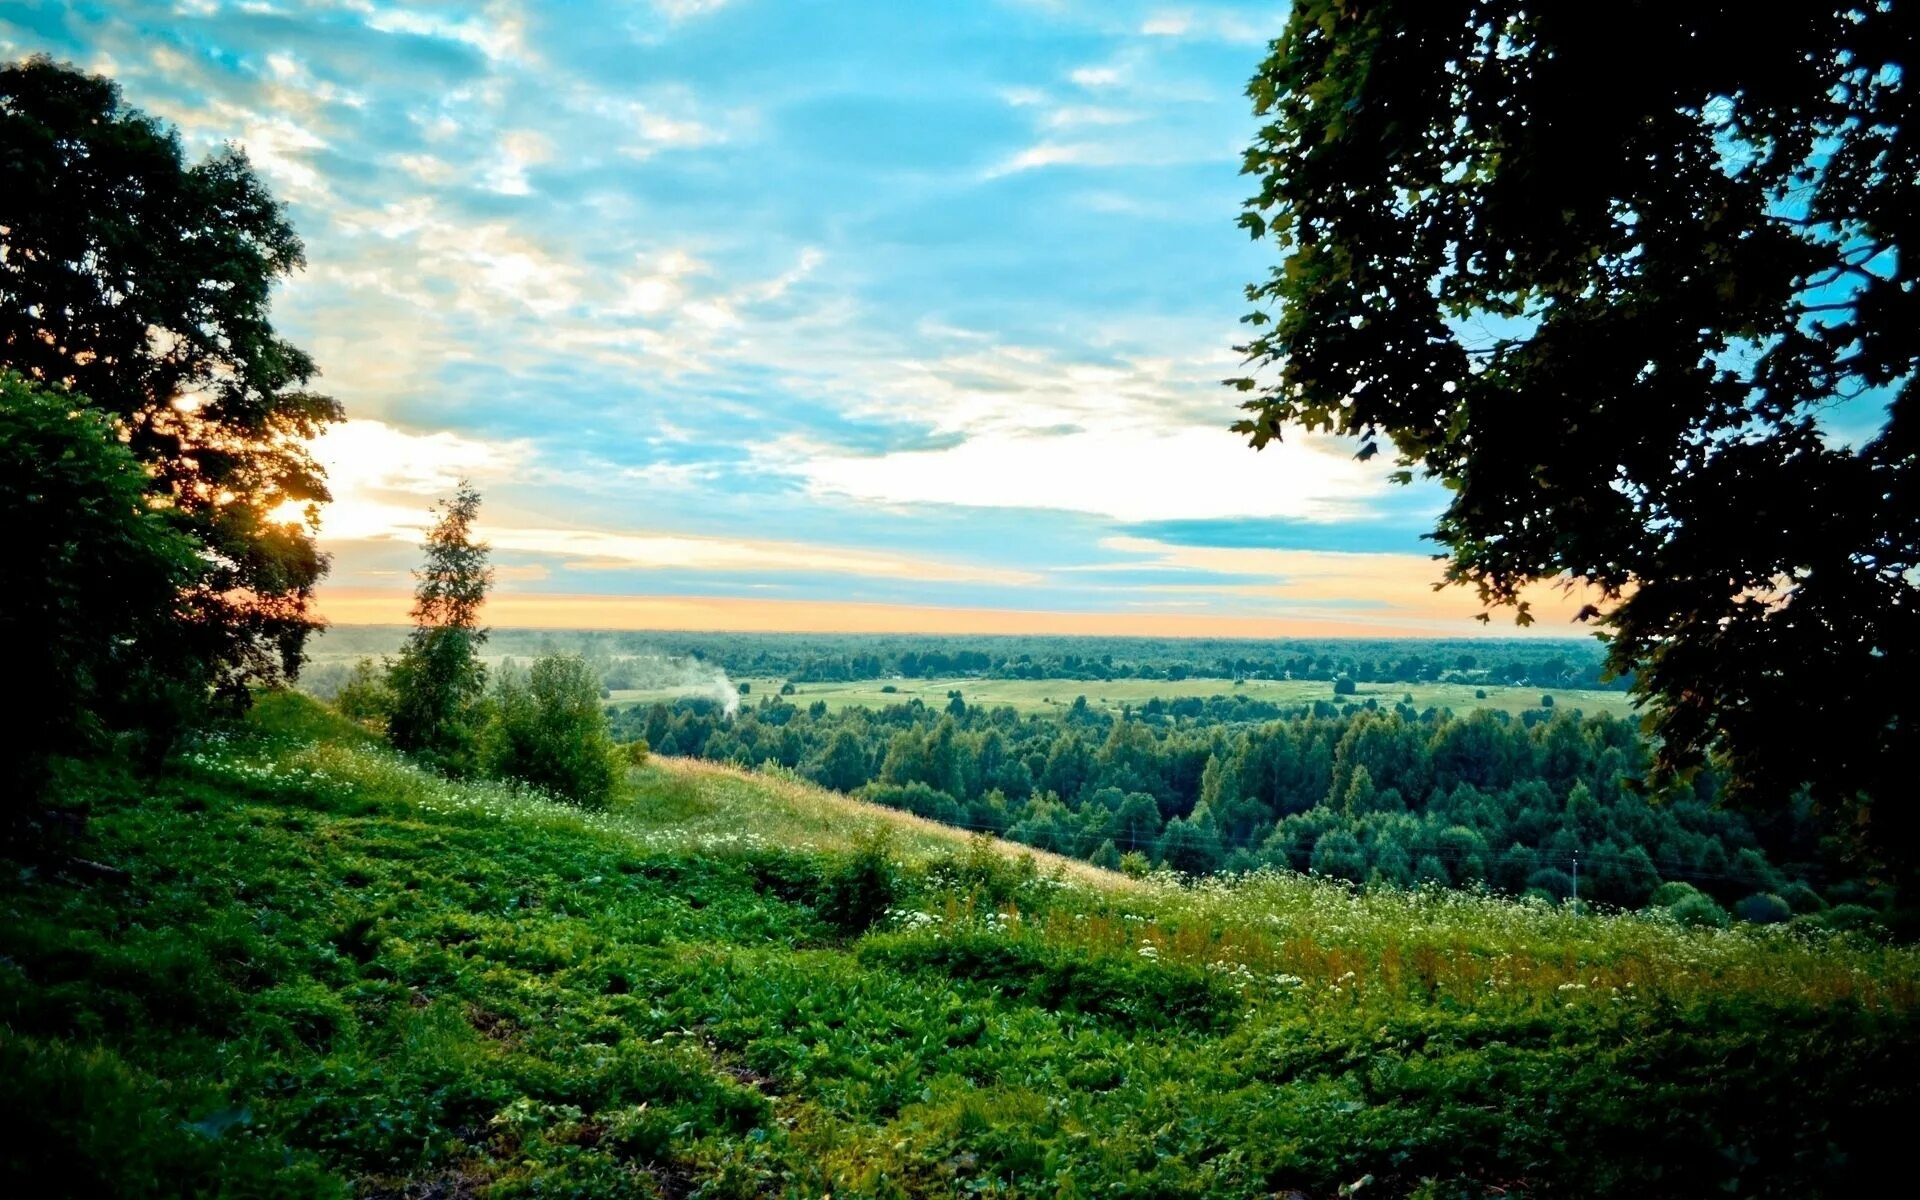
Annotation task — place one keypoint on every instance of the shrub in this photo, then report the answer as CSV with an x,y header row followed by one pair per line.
x,y
1801,898
367,696
635,752
1669,894
1853,918
1698,911
1135,865
1551,880
1763,908
1546,701
862,885
919,799
1479,693
1344,686
548,729
987,872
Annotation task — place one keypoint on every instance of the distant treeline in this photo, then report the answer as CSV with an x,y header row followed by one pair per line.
x,y
1369,794
826,658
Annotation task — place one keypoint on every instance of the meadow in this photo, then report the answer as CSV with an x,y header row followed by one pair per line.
x,y
1054,695
294,963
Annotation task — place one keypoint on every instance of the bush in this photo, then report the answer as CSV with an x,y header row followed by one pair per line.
x,y
635,752
367,696
1546,701
1552,881
919,799
1106,856
1479,693
548,729
1699,911
1801,898
1763,908
1344,686
1135,865
1852,918
862,885
1669,894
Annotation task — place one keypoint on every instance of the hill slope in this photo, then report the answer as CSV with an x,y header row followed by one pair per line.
x,y
325,972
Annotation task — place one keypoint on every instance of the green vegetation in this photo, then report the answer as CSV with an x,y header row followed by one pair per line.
x,y
1054,695
326,971
72,500
547,729
138,285
1380,795
438,682
681,662
1611,275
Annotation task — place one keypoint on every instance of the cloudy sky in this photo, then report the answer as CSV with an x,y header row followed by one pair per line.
x,y
785,313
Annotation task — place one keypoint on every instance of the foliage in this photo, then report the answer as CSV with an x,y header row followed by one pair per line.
x,y
1376,796
331,972
816,658
546,728
438,679
142,283
1613,326
861,885
366,695
89,601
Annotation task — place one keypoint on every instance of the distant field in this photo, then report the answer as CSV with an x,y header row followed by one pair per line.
x,y
1047,695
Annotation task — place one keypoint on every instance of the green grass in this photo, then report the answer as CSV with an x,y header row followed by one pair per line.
x,y
327,973
1051,695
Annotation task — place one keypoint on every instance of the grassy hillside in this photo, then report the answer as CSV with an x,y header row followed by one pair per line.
x,y
295,965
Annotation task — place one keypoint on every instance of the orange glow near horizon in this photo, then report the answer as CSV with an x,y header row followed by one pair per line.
x,y
735,614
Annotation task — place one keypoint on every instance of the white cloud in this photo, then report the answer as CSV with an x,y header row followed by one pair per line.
x,y
1097,77
1139,473
589,549
1215,24
383,478
384,481
1073,115
519,150
682,10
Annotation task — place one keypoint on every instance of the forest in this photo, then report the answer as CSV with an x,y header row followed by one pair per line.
x,y
826,657
1376,795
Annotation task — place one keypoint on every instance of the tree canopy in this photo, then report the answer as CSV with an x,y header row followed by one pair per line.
x,y
141,282
88,589
1606,272
438,681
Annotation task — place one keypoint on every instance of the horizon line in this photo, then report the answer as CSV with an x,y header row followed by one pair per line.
x,y
641,613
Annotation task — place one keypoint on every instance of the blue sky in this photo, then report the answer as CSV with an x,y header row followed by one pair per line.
x,y
803,305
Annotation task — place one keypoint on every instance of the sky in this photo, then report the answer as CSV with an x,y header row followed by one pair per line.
x,y
787,314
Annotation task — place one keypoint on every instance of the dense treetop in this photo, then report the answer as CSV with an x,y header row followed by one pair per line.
x,y
141,282
1605,271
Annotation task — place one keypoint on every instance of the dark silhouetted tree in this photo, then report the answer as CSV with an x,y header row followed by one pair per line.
x,y
142,282
90,579
1601,269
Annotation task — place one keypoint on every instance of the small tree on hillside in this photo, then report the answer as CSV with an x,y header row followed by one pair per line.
x,y
438,681
547,729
